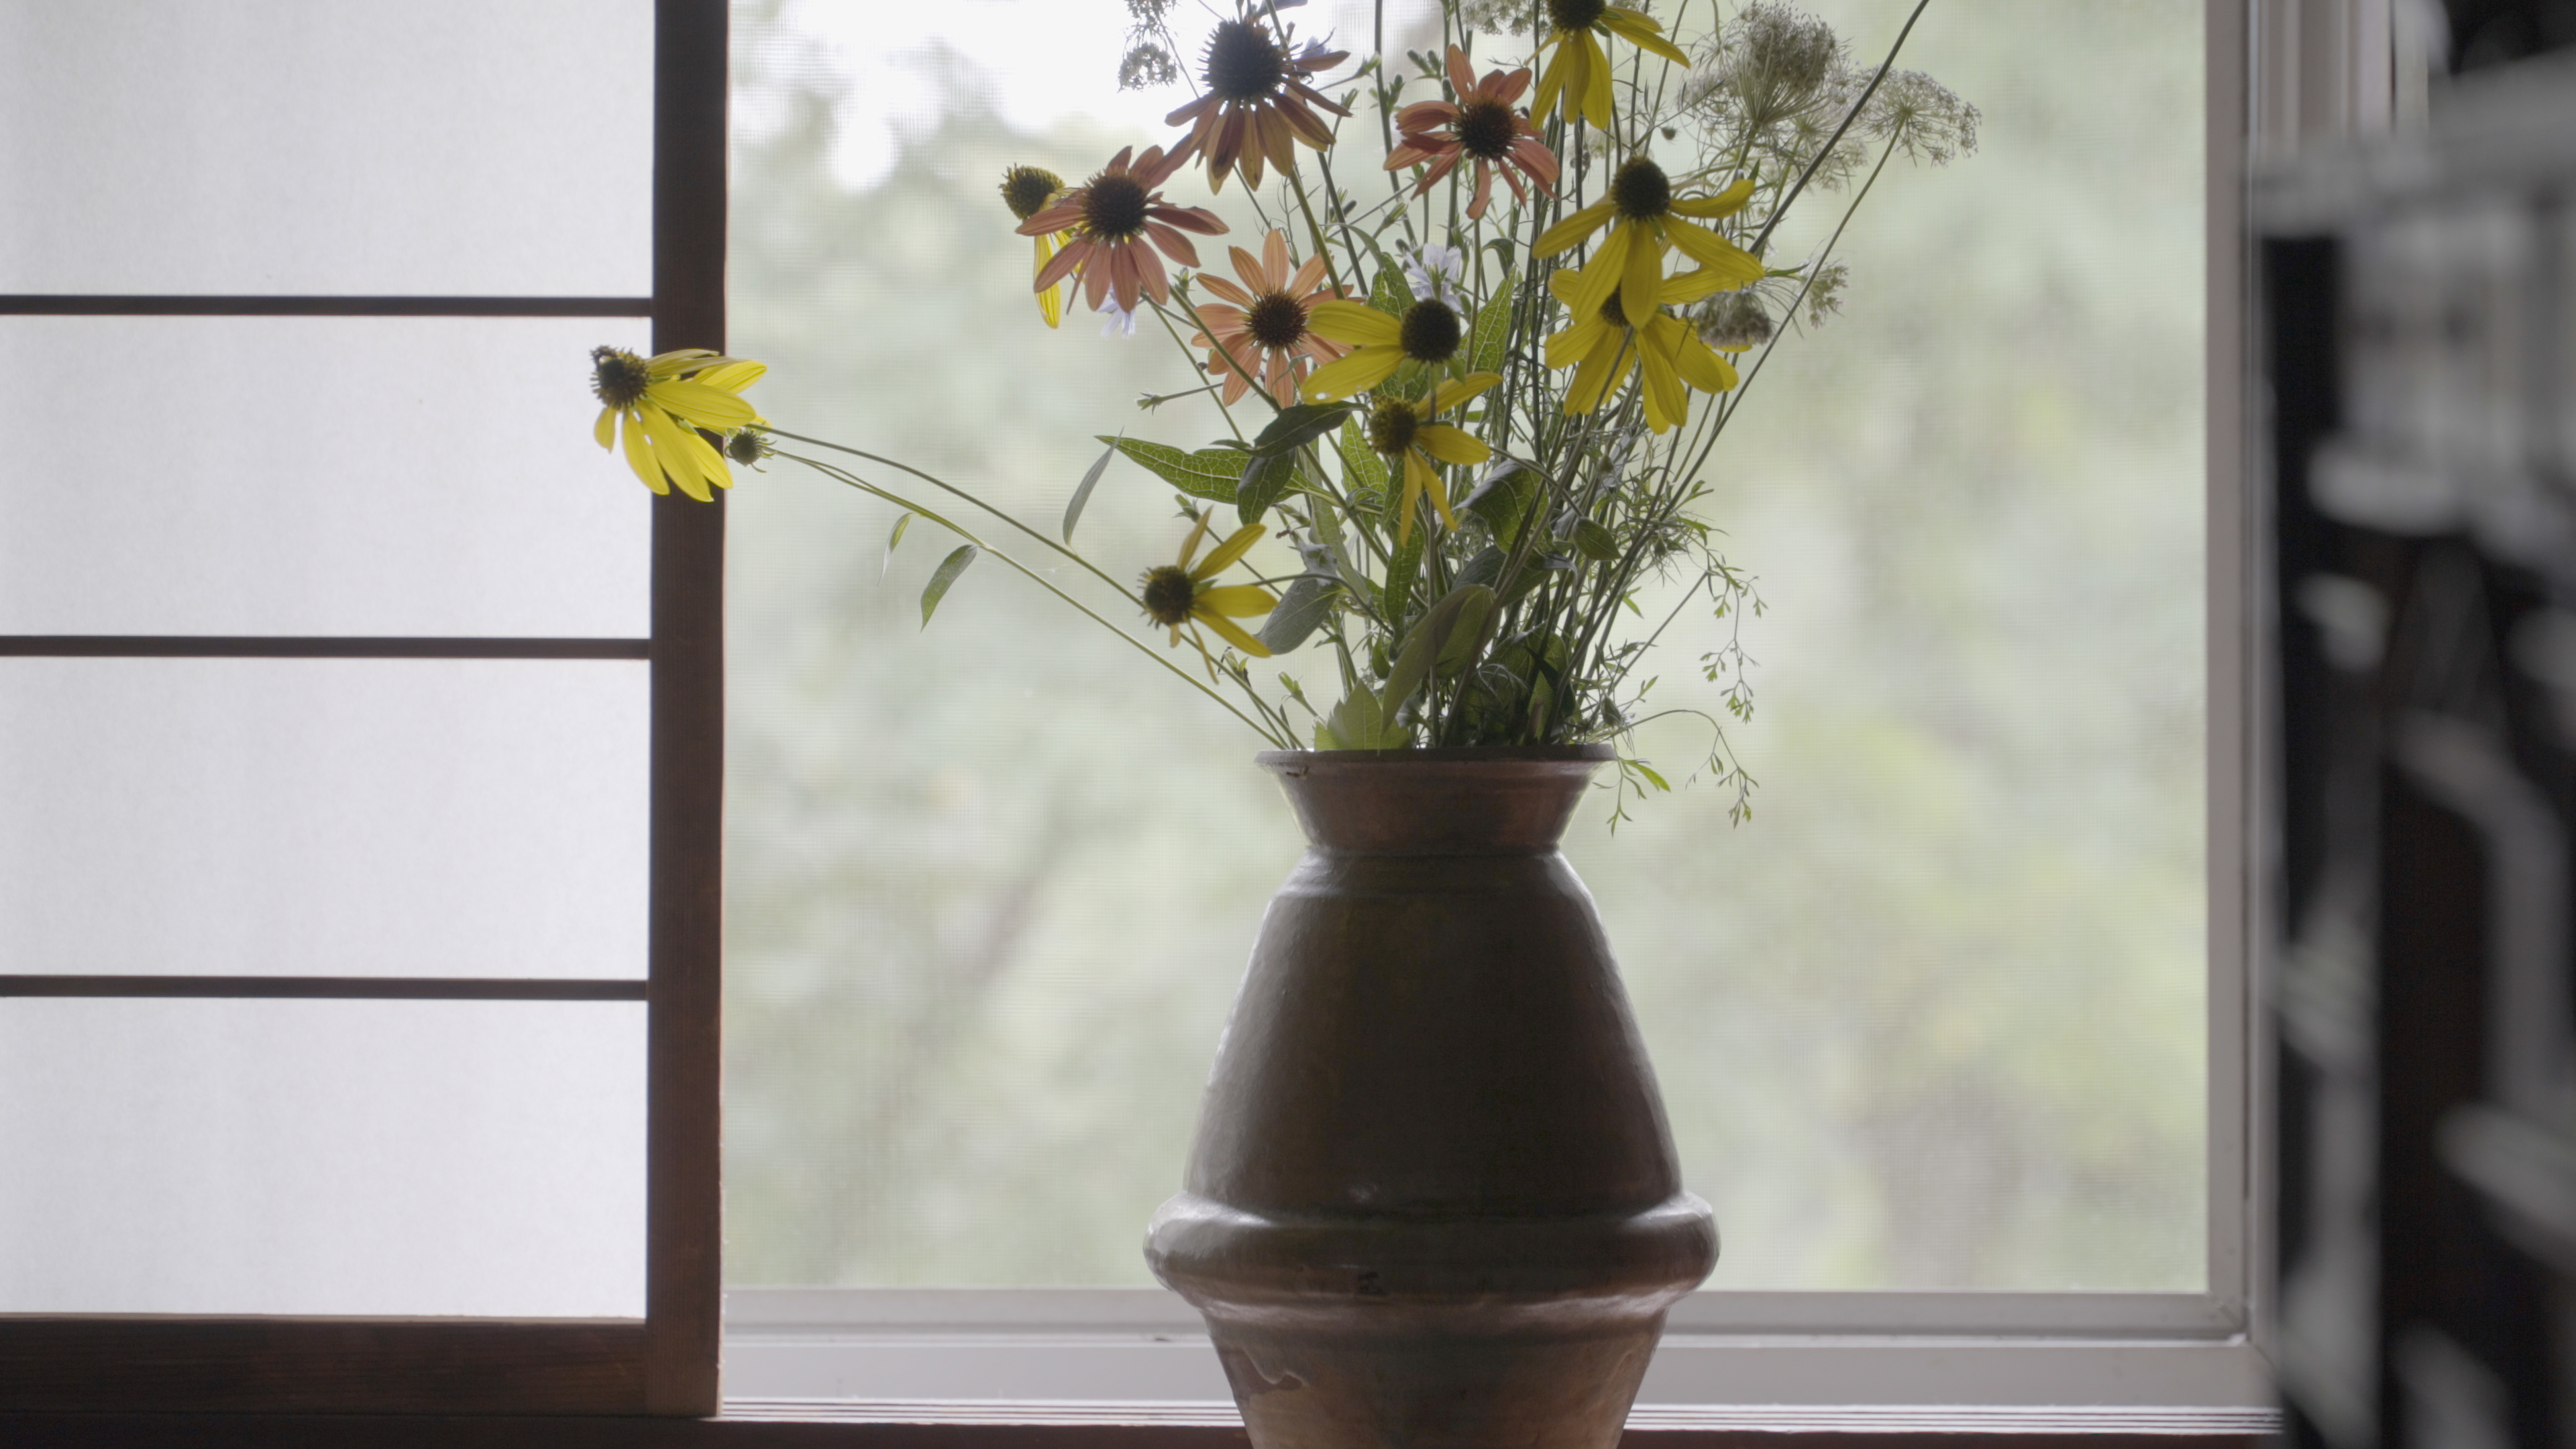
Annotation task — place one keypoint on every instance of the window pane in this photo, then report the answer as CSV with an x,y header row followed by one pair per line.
x,y
316,147
316,475
342,1157
323,817
1934,1018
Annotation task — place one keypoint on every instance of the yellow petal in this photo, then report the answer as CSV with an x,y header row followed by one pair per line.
x,y
1596,89
606,428
1190,545
1431,484
1460,389
1683,288
1452,445
1701,367
1227,552
1567,233
1414,474
1240,600
1713,251
1724,203
1358,372
671,439
664,365
1667,401
1594,284
1550,81
1051,300
1355,323
639,455
708,407
1643,278
1234,635
1565,347
1646,31
733,376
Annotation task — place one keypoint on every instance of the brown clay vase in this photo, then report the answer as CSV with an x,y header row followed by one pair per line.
x,y
1433,1200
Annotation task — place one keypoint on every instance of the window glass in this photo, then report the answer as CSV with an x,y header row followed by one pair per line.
x,y
323,817
1933,1018
309,147
335,1157
315,475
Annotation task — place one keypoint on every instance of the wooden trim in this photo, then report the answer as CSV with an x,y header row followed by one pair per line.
x,y
1113,1426
39,305
299,646
684,1234
325,988
318,1365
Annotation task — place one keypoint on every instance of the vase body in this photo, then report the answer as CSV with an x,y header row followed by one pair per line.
x,y
1433,1200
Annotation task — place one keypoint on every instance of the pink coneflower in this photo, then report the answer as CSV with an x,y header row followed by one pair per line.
x,y
1118,220
1480,125
1258,103
1261,325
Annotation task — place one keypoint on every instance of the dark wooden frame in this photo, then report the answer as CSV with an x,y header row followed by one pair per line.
x,y
664,1363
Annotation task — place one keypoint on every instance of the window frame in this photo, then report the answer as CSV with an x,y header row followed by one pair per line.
x,y
2205,1349
665,1362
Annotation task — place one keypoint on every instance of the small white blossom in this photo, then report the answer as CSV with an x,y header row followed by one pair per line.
x,y
1436,272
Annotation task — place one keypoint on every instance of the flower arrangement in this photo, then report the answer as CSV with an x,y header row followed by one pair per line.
x,y
1479,417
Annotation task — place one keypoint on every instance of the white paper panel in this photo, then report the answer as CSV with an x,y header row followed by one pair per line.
x,y
474,147
357,1157
316,475
323,817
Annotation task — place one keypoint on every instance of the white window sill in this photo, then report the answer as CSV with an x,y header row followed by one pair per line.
x,y
1142,1351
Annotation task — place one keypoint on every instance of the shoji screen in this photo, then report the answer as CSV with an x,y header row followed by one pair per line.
x,y
359,718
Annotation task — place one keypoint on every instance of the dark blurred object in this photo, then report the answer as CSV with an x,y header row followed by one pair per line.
x,y
2418,304
2488,33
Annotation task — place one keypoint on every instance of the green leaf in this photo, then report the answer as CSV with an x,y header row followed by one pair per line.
x,y
1209,473
1486,341
1398,598
940,578
1460,612
892,539
1297,426
1362,469
1082,492
1503,496
1300,612
1642,768
1265,481
1593,540
1359,723
1484,568
1391,293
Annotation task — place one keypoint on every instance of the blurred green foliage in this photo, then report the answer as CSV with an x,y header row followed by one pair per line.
x,y
1934,1018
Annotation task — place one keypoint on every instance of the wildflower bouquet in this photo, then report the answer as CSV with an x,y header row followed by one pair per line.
x,y
1479,417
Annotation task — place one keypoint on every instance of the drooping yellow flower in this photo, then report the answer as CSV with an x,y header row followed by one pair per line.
x,y
1401,430
1028,190
1644,216
1430,331
1179,596
665,400
1579,73
1603,350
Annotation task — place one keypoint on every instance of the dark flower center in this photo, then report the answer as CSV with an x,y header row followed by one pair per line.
x,y
1431,332
1243,62
1168,590
1575,14
618,377
1113,207
1392,426
1612,313
1485,129
1275,320
1641,191
1027,189
747,446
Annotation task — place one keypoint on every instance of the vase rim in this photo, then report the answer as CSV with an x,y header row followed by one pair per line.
x,y
1586,754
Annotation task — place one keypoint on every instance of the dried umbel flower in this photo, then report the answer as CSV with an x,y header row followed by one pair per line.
x,y
1147,64
1733,321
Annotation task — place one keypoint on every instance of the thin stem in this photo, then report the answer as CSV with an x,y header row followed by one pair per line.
x,y
1858,106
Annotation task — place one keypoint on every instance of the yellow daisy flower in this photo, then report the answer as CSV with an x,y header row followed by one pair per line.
x,y
1402,428
1578,74
1644,215
1028,190
665,400
1430,331
1179,596
1602,349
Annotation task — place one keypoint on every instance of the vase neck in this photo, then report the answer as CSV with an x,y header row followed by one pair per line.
x,y
1436,802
